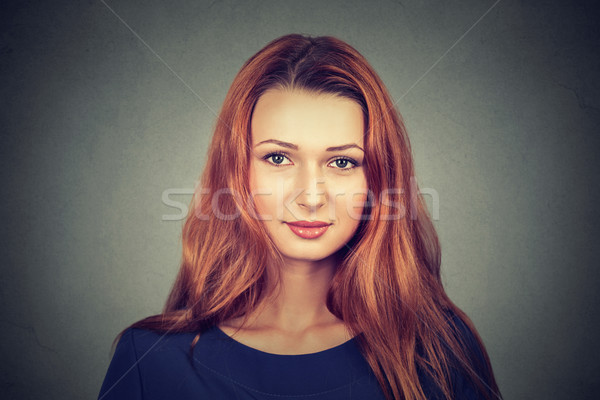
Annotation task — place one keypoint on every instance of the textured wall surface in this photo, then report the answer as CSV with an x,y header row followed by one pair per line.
x,y
105,105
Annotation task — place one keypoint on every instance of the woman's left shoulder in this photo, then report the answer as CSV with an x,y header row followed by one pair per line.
x,y
463,331
474,369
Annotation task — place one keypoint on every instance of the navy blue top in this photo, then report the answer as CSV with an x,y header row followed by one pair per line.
x,y
148,365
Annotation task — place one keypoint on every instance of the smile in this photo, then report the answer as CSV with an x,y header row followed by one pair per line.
x,y
308,230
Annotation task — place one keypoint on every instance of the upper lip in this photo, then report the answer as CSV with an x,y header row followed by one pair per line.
x,y
308,224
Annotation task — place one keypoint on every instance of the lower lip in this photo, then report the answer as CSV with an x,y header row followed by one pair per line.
x,y
308,233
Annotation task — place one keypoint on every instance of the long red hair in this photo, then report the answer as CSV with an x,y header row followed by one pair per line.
x,y
387,289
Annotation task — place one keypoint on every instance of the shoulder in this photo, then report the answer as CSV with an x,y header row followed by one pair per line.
x,y
469,373
142,357
471,370
464,332
151,347
468,338
135,341
122,379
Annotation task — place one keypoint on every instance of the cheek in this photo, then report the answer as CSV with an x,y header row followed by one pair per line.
x,y
264,192
350,199
256,189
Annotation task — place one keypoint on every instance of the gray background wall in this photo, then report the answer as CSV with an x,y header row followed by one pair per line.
x,y
502,103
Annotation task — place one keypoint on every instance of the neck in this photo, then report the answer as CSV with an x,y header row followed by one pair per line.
x,y
299,302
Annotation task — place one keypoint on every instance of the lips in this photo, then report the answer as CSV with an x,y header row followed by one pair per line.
x,y
309,224
307,229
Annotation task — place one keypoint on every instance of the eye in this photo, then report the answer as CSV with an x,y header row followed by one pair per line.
x,y
276,159
344,163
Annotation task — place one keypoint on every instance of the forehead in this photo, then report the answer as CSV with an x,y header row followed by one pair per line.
x,y
307,119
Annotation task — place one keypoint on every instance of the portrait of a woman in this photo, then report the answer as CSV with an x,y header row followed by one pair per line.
x,y
310,265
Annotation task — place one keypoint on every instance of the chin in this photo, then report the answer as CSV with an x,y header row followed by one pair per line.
x,y
310,254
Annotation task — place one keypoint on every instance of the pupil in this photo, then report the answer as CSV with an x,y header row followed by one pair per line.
x,y
342,163
277,159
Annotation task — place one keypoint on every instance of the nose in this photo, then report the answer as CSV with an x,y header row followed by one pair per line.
x,y
312,184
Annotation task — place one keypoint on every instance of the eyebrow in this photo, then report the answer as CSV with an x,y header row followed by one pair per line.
x,y
295,147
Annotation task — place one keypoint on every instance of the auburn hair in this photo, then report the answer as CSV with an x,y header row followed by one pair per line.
x,y
387,290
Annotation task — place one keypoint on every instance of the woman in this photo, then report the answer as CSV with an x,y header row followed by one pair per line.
x,y
311,268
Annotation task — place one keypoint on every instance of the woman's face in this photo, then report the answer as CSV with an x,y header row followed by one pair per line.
x,y
307,167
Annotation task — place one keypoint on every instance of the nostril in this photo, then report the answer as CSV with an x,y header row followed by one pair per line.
x,y
314,198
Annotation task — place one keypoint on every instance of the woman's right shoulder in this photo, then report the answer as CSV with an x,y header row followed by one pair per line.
x,y
143,340
144,355
132,338
123,378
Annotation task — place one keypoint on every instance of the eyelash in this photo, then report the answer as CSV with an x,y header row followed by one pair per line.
x,y
277,153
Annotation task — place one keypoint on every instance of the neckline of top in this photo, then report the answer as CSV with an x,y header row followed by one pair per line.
x,y
333,349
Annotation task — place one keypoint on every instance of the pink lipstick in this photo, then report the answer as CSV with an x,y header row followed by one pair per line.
x,y
308,230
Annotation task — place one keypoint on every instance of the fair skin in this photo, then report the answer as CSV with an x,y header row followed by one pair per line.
x,y
307,165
